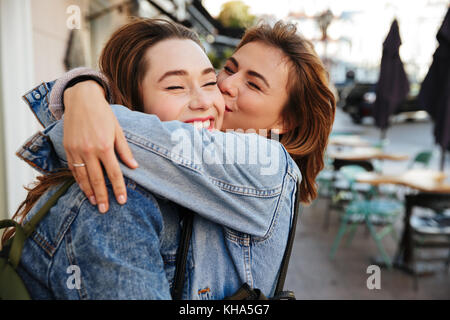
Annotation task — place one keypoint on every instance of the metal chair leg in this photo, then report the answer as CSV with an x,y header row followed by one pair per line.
x,y
385,231
394,234
380,247
352,232
338,238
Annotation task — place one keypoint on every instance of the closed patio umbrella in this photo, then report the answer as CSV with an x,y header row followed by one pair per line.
x,y
393,85
434,93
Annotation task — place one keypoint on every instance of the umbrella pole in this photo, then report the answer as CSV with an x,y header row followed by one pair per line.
x,y
383,135
442,158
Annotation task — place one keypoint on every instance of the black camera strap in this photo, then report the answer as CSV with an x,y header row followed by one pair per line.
x,y
182,253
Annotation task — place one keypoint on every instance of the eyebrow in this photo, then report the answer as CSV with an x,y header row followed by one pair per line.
x,y
250,72
183,73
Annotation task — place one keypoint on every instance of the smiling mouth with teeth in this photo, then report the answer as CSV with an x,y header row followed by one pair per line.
x,y
202,124
199,125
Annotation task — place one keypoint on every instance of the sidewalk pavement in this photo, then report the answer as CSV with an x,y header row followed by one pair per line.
x,y
312,275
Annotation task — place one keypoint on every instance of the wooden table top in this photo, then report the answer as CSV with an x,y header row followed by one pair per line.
x,y
361,154
424,180
348,141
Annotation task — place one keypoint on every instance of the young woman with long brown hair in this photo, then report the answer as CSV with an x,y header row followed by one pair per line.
x,y
273,81
302,108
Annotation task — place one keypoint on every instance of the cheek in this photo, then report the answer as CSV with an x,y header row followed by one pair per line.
x,y
220,106
257,113
166,108
219,101
251,105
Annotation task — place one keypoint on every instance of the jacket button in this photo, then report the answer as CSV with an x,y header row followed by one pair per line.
x,y
37,96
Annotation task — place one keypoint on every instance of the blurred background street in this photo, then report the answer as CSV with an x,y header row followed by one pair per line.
x,y
313,275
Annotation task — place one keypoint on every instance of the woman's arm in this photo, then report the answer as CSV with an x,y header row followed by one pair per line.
x,y
92,133
52,92
91,137
70,79
241,192
221,176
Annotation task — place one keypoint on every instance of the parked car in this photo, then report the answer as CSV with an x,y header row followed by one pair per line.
x,y
359,99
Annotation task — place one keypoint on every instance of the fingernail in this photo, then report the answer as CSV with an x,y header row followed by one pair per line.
x,y
134,162
121,199
92,200
102,208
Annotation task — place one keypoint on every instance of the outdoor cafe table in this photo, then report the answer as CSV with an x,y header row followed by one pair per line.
x,y
420,179
348,141
423,180
365,154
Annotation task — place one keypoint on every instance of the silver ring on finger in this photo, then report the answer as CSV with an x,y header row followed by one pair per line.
x,y
79,165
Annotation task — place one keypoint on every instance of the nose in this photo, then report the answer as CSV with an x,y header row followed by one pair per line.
x,y
228,85
200,101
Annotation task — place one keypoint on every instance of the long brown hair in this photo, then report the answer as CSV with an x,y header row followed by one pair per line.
x,y
37,189
123,62
309,112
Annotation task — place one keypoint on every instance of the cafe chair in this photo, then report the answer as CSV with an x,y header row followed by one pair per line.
x,y
381,144
369,210
342,186
429,232
325,179
421,159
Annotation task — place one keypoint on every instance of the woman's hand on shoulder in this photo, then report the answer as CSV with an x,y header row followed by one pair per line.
x,y
92,134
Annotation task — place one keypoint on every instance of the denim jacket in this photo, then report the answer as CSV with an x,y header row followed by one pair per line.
x,y
242,187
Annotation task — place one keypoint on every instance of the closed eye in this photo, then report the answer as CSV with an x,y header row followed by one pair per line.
x,y
174,87
213,83
254,86
228,69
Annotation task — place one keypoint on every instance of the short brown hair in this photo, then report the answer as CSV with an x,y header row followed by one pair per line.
x,y
122,58
309,112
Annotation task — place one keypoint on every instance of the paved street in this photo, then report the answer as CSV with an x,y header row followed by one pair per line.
x,y
312,275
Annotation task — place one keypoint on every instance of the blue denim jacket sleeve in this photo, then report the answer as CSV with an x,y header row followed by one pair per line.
x,y
201,171
233,179
37,100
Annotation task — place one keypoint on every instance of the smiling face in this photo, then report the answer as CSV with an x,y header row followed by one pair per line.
x,y
181,84
254,85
